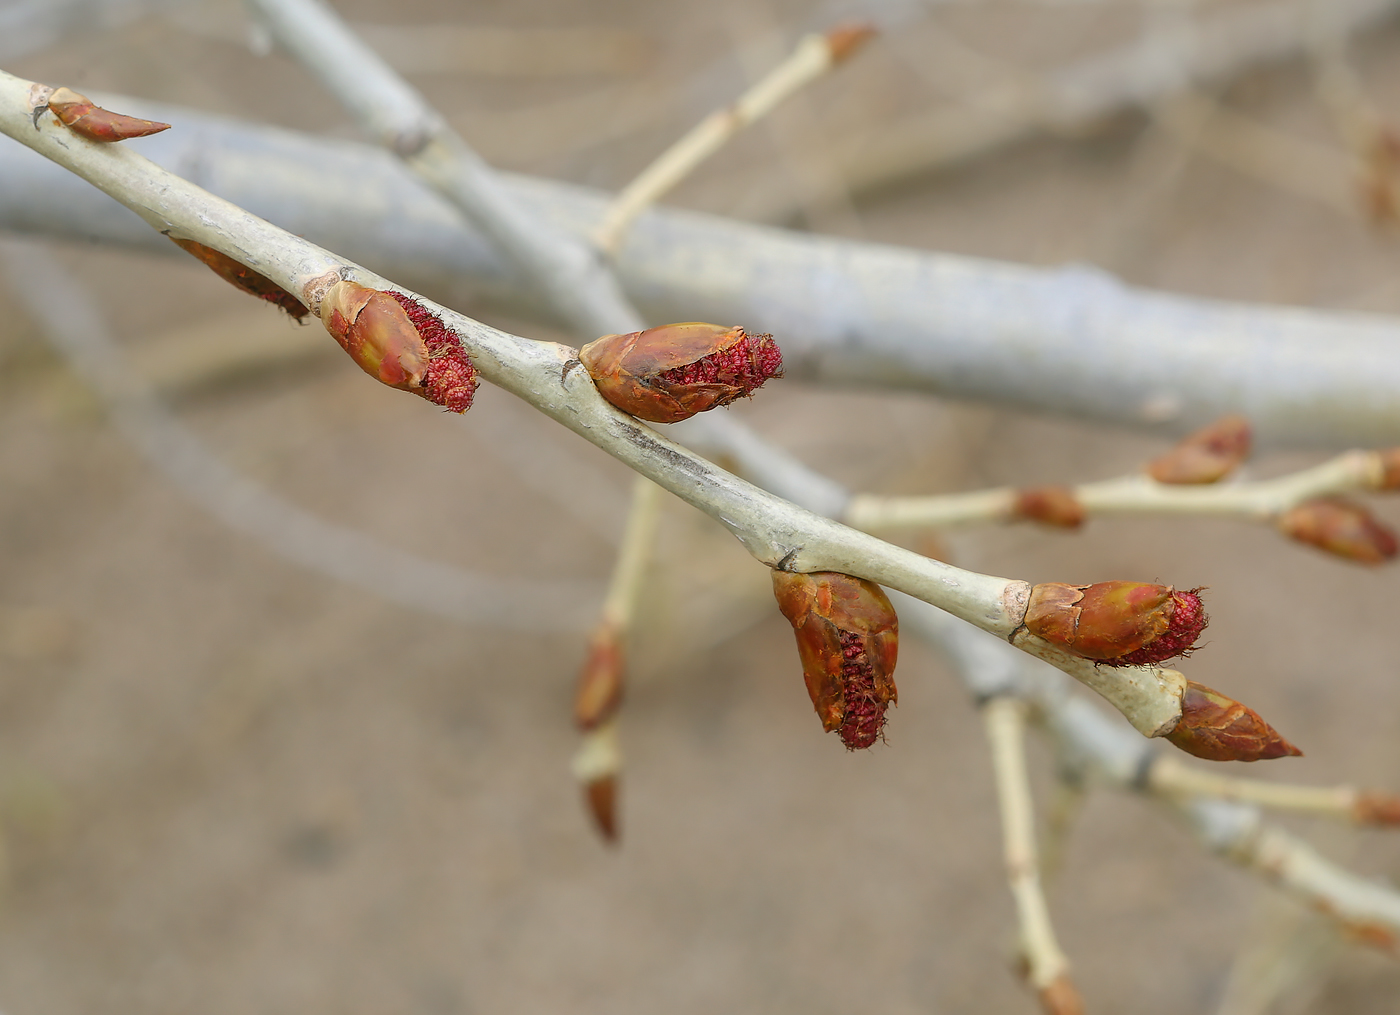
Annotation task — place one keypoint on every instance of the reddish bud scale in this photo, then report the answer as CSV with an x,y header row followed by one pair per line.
x,y
1377,809
843,40
1206,456
1340,527
1061,997
669,373
600,682
1049,505
1218,728
451,379
1390,469
82,117
848,641
1374,934
243,277
600,797
1117,623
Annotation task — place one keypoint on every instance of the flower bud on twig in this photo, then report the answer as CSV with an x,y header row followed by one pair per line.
x,y
244,278
670,373
600,682
596,767
1049,505
600,797
1389,473
399,342
844,40
1377,809
1340,527
848,641
81,116
1207,455
1219,728
1117,623
1061,997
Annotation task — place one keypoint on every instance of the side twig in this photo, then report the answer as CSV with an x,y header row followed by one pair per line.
x,y
815,55
1260,500
602,681
1048,970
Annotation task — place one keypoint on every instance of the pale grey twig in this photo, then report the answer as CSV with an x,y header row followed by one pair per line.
x,y
1072,340
1106,754
774,531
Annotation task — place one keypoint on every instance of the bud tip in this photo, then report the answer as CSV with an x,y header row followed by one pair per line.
x,y
600,797
1216,727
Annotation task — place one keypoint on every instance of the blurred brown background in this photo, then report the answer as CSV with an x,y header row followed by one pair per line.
x,y
228,784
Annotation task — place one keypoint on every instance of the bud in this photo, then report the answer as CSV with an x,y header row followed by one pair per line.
x,y
600,682
600,797
1381,159
1207,455
1049,505
596,767
244,278
670,373
848,641
843,40
1376,809
1389,472
78,114
1341,527
1061,997
1117,623
1218,728
399,342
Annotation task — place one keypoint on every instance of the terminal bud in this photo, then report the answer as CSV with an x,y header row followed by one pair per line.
x,y
848,641
1340,527
670,373
1117,623
1218,728
81,116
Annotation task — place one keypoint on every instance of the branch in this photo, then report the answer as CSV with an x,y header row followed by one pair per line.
x,y
1069,340
602,681
1124,79
774,531
815,55
1168,777
1103,752
1261,500
1004,718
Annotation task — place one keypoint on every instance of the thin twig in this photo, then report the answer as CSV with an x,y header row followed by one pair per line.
x,y
1169,777
602,682
1067,100
814,55
1101,752
1260,500
774,531
1005,721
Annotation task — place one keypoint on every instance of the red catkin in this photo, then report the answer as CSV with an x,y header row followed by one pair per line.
x,y
1188,620
746,364
451,379
864,722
